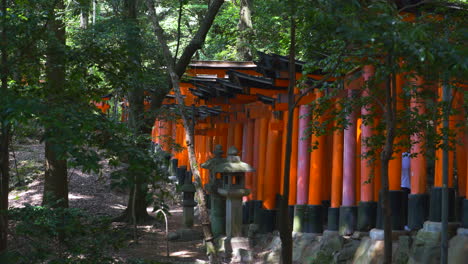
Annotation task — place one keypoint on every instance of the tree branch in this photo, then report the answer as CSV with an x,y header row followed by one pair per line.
x,y
197,41
414,5
178,30
321,81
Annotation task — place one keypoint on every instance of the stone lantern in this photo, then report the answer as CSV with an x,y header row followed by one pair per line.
x,y
218,204
188,200
233,188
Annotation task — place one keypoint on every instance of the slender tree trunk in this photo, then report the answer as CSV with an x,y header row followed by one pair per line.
x,y
175,70
4,140
245,29
386,155
4,185
84,15
445,172
136,111
285,225
202,205
56,177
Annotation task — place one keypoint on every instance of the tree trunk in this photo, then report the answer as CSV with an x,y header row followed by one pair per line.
x,y
285,226
137,209
84,15
445,172
136,111
202,205
386,155
56,177
4,141
176,70
245,29
4,185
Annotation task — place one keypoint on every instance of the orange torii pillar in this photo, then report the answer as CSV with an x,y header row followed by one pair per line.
x,y
247,154
157,132
271,183
435,204
293,163
231,135
260,147
358,157
318,168
337,179
367,207
256,146
303,165
348,209
418,200
238,136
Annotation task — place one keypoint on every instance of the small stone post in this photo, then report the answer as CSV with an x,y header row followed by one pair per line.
x,y
188,201
218,203
233,176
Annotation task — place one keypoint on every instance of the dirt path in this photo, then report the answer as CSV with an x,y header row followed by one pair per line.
x,y
92,193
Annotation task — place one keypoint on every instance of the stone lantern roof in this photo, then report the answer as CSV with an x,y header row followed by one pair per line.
x,y
233,163
217,159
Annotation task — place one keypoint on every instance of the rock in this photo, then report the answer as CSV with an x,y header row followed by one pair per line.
x,y
223,244
275,244
273,257
378,234
185,235
300,242
369,251
241,255
173,236
252,230
328,244
359,235
458,249
402,251
346,254
331,243
426,248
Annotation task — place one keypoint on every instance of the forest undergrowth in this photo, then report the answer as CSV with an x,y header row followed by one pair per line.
x,y
84,233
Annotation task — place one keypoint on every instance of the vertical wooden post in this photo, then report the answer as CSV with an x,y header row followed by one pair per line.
x,y
271,183
238,136
303,159
349,159
255,159
263,134
317,165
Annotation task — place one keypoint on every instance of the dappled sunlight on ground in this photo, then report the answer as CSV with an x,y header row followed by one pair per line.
x,y
184,254
32,194
118,206
76,196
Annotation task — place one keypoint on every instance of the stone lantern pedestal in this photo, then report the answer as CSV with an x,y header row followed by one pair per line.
x,y
233,188
232,173
234,210
218,202
188,200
